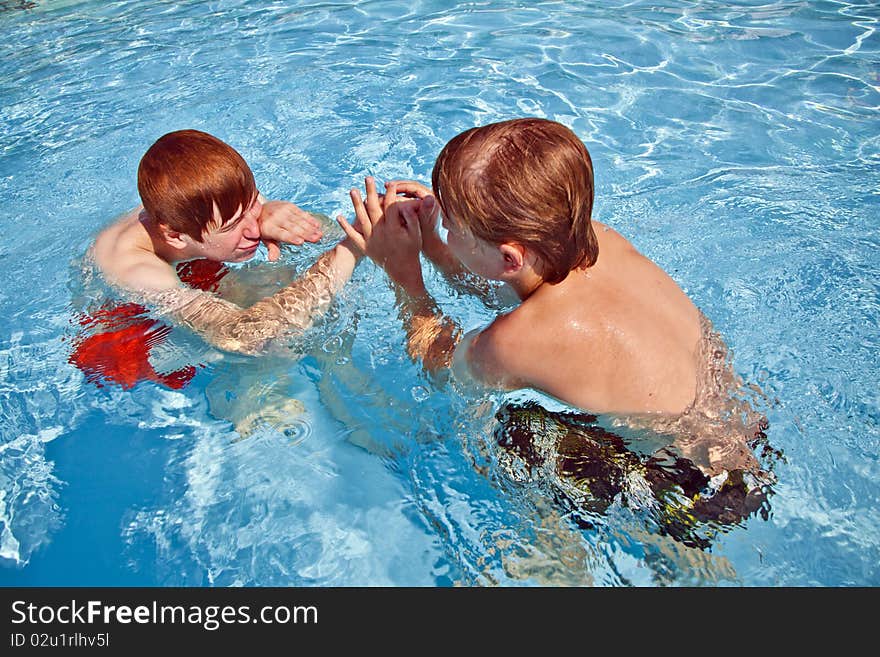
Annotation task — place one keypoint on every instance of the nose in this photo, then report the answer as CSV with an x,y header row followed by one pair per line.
x,y
252,226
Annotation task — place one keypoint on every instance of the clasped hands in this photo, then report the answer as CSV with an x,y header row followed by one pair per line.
x,y
390,229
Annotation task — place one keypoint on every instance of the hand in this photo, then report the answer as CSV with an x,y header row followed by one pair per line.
x,y
281,221
389,234
429,211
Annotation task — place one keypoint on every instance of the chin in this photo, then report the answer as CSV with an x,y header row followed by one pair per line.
x,y
242,257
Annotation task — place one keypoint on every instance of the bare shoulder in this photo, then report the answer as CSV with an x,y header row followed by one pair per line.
x,y
492,355
149,274
123,253
115,239
140,272
609,238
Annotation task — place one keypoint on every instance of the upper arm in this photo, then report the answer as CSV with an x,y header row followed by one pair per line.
x,y
486,357
461,358
220,322
139,274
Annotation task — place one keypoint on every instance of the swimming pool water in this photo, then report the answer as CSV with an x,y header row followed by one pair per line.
x,y
736,144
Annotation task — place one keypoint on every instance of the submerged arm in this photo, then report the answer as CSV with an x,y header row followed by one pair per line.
x,y
431,337
440,344
231,328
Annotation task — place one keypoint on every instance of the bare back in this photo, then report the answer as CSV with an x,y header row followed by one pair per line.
x,y
619,337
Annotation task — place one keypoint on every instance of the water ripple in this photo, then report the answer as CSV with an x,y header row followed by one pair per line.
x,y
736,144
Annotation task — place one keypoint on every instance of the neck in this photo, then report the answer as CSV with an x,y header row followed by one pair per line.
x,y
526,284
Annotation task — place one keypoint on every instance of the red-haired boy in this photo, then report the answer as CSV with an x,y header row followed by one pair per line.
x,y
200,200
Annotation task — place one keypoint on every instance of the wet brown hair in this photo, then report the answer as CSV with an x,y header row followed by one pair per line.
x,y
185,173
527,181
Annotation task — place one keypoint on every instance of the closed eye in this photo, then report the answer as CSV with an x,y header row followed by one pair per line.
x,y
230,226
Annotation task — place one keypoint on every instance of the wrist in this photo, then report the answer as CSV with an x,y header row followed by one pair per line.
x,y
411,282
433,247
348,247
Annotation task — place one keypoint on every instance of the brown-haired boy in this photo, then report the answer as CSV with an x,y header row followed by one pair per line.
x,y
200,200
599,325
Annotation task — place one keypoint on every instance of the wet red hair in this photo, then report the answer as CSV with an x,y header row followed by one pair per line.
x,y
185,173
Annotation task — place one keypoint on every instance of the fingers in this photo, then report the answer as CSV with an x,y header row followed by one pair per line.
x,y
428,210
274,250
297,234
411,188
360,211
374,207
285,222
311,230
391,199
305,219
409,213
390,195
352,233
285,235
410,221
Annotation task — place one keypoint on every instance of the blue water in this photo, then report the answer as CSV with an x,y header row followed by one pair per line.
x,y
736,144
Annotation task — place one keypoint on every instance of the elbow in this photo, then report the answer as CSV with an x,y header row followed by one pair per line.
x,y
235,346
434,359
433,343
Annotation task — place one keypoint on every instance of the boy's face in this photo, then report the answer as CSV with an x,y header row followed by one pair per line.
x,y
481,257
235,240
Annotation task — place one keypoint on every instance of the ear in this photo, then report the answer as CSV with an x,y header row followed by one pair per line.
x,y
514,257
173,237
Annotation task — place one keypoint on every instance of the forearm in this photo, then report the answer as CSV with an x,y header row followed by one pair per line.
x,y
293,308
296,305
439,254
459,276
431,336
313,291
